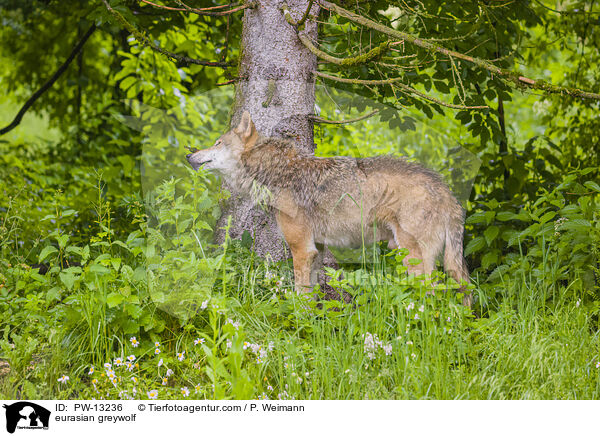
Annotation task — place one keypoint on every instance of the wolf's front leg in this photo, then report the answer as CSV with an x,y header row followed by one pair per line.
x,y
299,237
303,261
317,264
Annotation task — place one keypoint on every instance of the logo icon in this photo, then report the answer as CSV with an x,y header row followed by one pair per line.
x,y
26,415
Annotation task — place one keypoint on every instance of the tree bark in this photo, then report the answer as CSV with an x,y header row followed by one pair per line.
x,y
278,90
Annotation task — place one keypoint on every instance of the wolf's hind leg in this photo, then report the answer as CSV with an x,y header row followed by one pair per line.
x,y
404,239
299,237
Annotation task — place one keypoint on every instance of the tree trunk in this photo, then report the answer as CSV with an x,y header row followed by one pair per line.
x,y
277,89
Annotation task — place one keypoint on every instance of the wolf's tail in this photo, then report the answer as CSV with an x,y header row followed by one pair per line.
x,y
454,261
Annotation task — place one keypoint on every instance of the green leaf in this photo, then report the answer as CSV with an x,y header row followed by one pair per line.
x,y
133,310
490,234
116,263
68,279
85,254
505,215
246,239
139,274
474,245
53,294
592,185
46,252
99,269
547,217
114,299
579,225
490,258
477,217
127,82
62,241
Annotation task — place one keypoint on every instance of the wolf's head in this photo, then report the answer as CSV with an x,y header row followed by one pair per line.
x,y
224,156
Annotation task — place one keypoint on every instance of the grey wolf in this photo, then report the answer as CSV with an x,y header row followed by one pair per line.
x,y
342,201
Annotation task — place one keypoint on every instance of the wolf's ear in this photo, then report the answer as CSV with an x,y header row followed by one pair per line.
x,y
245,130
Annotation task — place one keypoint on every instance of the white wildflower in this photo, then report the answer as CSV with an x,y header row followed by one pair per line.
x,y
64,379
235,324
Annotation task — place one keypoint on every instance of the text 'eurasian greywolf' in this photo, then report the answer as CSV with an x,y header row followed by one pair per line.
x,y
342,201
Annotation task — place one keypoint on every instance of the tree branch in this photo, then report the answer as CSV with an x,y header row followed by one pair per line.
x,y
207,11
300,23
506,75
346,62
168,8
404,88
144,40
19,117
201,11
316,119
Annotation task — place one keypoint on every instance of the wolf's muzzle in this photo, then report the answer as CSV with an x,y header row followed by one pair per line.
x,y
195,165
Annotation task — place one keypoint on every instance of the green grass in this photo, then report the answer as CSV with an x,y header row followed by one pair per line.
x,y
523,346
